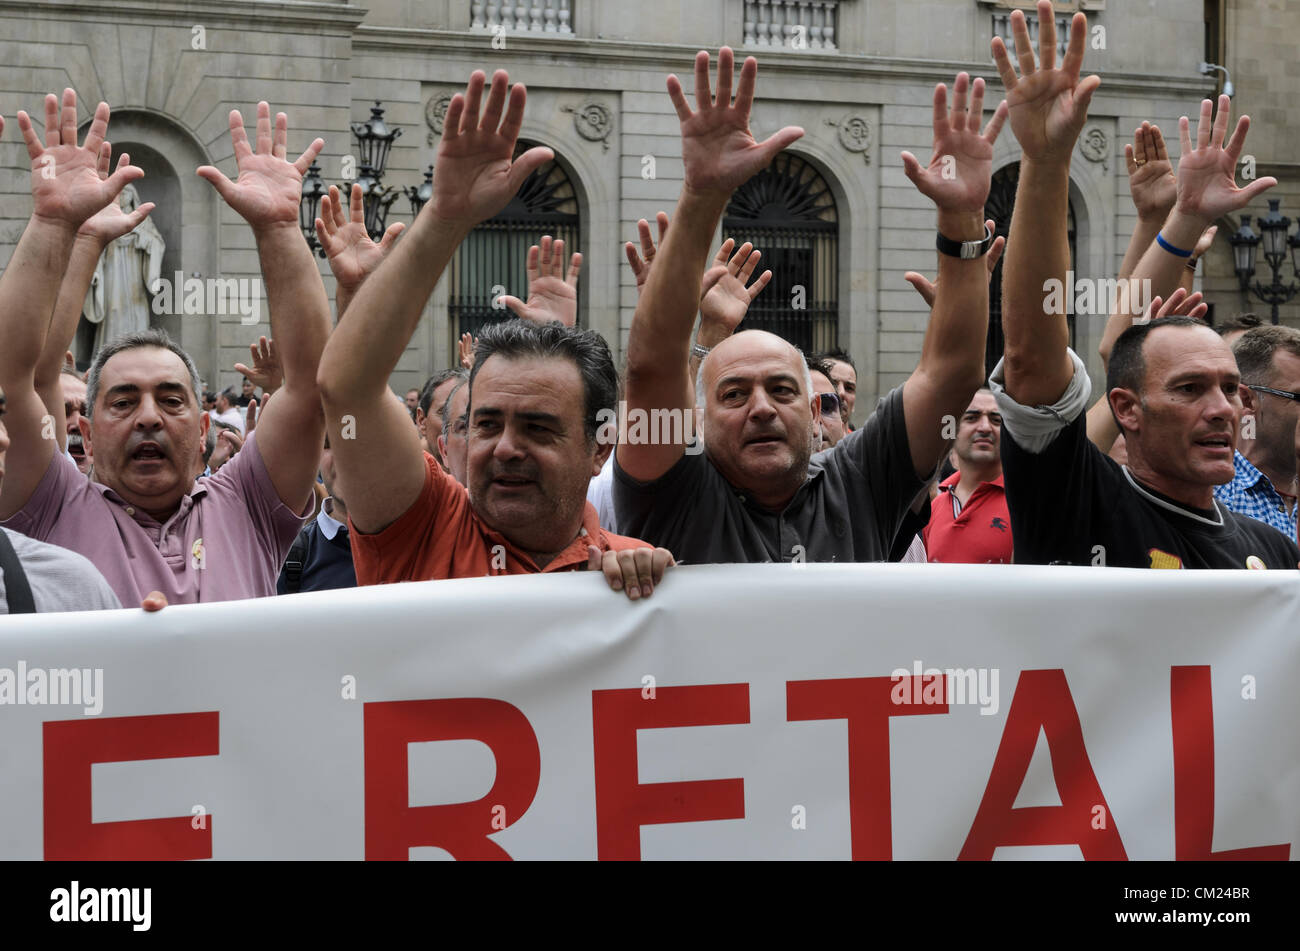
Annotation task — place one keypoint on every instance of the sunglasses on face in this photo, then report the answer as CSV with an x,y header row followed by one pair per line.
x,y
830,403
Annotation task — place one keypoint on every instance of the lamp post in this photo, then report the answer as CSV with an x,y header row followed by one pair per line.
x,y
374,140
1275,241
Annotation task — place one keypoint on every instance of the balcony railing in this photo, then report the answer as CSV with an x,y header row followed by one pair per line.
x,y
794,24
523,16
1002,28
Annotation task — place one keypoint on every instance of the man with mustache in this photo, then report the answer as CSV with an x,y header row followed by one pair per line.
x,y
73,389
1172,383
757,493
534,395
144,521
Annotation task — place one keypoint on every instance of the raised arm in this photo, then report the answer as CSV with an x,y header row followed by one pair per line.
x,y
376,449
352,255
266,194
718,154
95,234
957,180
66,190
1048,109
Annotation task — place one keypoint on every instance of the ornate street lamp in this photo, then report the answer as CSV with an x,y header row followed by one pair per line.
x,y
419,197
309,205
1275,242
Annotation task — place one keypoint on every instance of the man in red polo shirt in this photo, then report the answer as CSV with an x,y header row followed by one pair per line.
x,y
969,521
535,395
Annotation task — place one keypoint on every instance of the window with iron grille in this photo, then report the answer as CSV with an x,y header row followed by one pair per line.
x,y
999,206
495,254
788,212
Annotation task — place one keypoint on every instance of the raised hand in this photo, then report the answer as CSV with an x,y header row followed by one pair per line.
x,y
1207,185
467,350
928,288
111,222
1179,303
718,150
551,296
1151,179
474,176
352,255
66,184
640,266
269,187
1048,106
961,164
1204,242
267,372
725,304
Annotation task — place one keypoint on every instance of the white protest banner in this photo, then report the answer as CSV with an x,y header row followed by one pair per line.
x,y
765,711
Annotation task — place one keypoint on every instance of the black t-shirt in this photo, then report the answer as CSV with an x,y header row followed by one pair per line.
x,y
849,509
1073,504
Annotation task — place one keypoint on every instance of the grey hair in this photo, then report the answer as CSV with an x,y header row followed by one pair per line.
x,y
445,412
699,378
152,337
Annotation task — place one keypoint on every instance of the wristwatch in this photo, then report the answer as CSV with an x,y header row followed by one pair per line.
x,y
966,250
698,351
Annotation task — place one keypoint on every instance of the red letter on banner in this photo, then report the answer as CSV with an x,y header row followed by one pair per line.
x,y
71,746
867,703
393,826
1192,713
1043,700
623,804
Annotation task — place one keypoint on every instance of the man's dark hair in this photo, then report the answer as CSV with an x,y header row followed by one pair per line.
x,y
1245,321
1128,368
230,394
522,339
821,366
1256,348
153,337
836,354
435,381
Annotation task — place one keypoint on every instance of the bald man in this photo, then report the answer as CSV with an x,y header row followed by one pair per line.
x,y
758,493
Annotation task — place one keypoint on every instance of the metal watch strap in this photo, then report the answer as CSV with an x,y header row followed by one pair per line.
x,y
698,351
966,250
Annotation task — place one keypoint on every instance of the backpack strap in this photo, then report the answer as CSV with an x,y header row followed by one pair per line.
x,y
293,564
17,591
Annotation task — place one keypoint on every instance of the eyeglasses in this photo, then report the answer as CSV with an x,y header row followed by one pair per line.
x,y
830,403
1285,394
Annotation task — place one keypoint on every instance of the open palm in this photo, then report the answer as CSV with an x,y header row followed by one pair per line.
x,y
1207,184
718,151
112,222
269,187
351,253
727,301
66,184
474,176
961,166
551,296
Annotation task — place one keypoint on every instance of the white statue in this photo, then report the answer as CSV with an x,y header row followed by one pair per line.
x,y
118,299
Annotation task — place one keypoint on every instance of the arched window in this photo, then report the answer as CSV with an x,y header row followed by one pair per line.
x,y
495,254
999,206
788,212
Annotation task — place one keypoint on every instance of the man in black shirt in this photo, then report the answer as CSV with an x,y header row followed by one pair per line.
x,y
1173,383
757,493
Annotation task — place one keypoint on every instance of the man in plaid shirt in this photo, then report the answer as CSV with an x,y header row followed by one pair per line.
x,y
1264,486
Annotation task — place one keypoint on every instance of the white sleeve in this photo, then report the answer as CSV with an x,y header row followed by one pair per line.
x,y
1034,427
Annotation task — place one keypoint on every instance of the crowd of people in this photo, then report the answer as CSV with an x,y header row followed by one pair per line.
x,y
137,487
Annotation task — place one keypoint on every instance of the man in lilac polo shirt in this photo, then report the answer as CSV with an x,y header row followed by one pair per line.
x,y
141,518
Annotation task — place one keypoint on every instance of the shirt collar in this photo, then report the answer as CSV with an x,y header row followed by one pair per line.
x,y
1247,475
196,492
328,525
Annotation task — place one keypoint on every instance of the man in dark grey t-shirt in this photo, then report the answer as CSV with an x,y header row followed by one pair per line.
x,y
758,493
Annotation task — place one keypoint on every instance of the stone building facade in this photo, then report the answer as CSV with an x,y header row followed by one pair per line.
x,y
838,217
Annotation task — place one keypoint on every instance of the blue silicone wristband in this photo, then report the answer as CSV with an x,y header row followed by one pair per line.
x,y
1160,240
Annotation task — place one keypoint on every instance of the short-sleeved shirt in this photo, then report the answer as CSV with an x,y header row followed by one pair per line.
x,y
977,533
1072,504
1251,493
849,508
226,540
60,580
441,536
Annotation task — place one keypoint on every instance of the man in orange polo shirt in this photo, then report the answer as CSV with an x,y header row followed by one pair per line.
x,y
535,395
969,519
